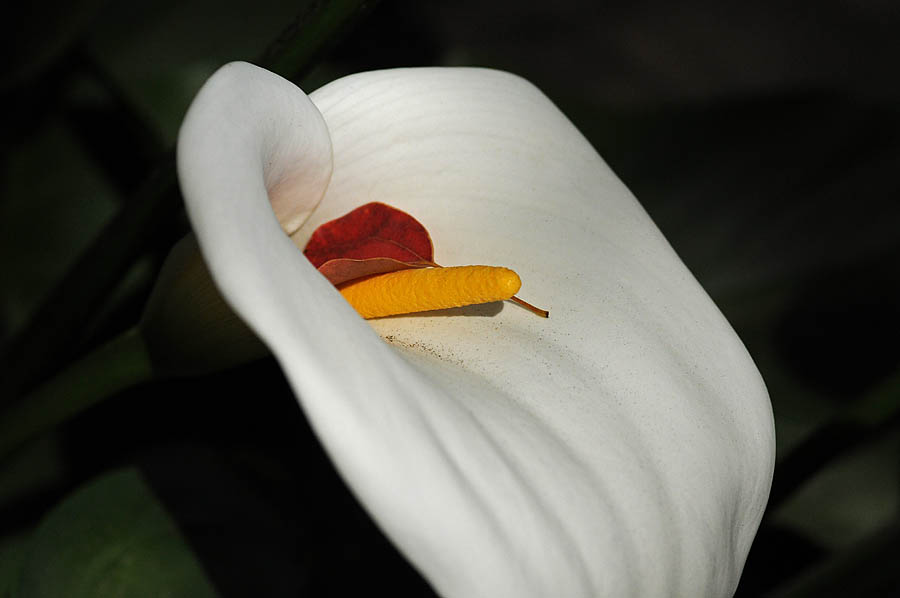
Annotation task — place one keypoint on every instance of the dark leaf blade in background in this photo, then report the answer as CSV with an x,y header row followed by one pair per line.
x,y
867,570
110,538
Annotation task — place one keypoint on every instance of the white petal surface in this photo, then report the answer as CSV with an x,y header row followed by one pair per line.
x,y
622,448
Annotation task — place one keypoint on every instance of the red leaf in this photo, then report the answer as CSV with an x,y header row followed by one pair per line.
x,y
372,239
342,270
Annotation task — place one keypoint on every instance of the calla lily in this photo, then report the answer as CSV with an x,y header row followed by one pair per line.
x,y
624,447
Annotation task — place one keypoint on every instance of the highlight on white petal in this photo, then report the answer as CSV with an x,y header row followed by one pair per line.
x,y
623,447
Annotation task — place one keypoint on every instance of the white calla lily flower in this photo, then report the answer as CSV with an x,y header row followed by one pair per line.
x,y
624,447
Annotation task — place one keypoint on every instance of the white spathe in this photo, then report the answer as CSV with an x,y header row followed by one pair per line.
x,y
624,447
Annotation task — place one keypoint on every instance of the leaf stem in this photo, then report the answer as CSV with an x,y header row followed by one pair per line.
x,y
119,364
321,25
532,308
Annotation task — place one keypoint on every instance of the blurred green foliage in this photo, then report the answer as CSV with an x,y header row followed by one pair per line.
x,y
55,200
765,144
110,538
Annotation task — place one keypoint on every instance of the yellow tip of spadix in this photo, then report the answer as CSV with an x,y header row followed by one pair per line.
x,y
426,289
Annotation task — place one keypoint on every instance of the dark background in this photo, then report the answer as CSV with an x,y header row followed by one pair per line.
x,y
764,140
